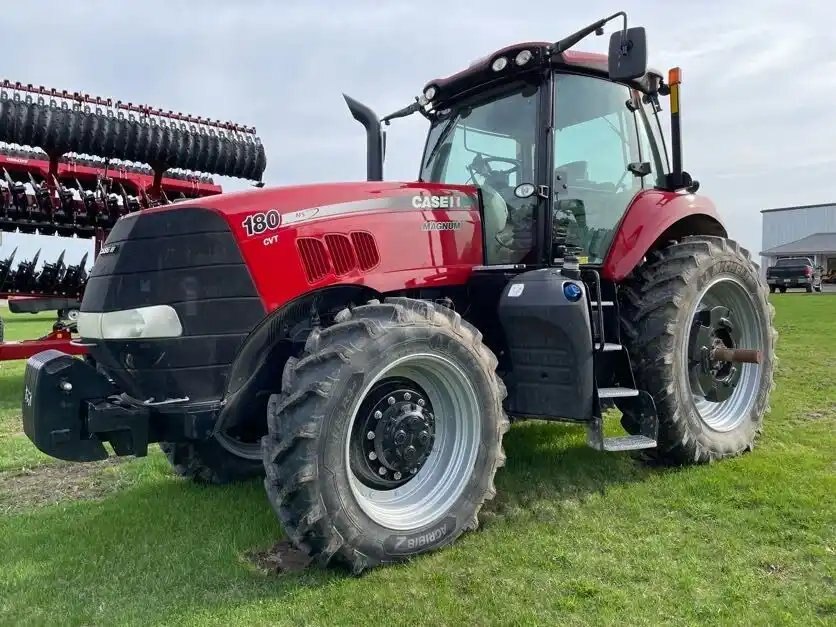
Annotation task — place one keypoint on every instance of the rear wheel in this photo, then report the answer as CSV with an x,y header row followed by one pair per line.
x,y
809,289
771,289
387,435
691,297
783,290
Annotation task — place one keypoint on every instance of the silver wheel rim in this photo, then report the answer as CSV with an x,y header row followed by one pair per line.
x,y
448,468
729,291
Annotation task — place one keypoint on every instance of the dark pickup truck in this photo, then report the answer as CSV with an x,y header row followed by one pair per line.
x,y
791,272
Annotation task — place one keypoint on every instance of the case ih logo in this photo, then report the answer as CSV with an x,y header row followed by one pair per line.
x,y
437,202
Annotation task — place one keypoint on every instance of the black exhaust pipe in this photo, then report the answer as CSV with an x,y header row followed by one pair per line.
x,y
374,138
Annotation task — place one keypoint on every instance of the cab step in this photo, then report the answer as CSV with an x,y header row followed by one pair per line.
x,y
641,407
627,443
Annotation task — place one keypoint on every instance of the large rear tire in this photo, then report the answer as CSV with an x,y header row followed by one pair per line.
x,y
689,295
387,435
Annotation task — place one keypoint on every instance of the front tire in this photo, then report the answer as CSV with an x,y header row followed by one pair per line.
x,y
688,297
217,461
387,435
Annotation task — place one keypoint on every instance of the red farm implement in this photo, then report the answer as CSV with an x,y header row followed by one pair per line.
x,y
72,164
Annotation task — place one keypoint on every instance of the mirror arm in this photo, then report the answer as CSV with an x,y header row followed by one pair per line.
x,y
596,27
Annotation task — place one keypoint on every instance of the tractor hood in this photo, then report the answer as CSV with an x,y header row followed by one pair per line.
x,y
176,290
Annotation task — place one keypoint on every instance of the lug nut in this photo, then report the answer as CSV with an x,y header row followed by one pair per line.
x,y
372,456
400,437
378,415
407,396
413,471
397,476
66,386
370,435
420,402
391,400
381,471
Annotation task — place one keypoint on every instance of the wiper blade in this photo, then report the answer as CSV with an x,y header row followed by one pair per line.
x,y
438,143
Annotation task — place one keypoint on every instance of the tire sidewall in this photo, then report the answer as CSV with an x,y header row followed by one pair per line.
x,y
353,381
739,438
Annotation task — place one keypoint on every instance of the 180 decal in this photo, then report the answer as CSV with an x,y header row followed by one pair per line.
x,y
258,223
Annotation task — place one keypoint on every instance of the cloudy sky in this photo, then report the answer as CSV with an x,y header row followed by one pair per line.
x,y
758,95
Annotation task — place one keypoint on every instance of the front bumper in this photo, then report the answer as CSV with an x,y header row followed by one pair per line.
x,y
70,410
789,282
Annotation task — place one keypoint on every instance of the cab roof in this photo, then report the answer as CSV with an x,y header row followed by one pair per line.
x,y
480,73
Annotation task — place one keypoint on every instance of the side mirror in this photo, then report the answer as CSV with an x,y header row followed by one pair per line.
x,y
628,54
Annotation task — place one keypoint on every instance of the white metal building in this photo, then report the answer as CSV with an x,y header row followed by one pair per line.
x,y
804,231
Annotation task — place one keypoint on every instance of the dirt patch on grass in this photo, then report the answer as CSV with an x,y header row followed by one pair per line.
x,y
54,483
281,558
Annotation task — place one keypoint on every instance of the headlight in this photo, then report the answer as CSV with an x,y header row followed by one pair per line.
x,y
157,321
523,57
499,64
430,92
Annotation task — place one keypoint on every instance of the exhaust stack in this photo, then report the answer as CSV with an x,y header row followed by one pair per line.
x,y
374,137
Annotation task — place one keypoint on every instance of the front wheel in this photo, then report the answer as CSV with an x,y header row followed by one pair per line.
x,y
691,297
387,435
220,459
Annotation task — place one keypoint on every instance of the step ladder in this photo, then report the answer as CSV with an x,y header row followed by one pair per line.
x,y
614,376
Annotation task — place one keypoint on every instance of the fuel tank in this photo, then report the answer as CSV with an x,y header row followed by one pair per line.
x,y
545,318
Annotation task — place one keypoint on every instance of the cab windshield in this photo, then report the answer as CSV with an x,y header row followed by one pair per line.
x,y
491,142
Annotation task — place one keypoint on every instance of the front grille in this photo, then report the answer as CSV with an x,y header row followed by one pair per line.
x,y
187,258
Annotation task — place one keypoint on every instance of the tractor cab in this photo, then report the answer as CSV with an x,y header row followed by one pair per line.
x,y
556,148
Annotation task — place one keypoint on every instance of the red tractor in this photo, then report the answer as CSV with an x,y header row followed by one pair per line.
x,y
366,345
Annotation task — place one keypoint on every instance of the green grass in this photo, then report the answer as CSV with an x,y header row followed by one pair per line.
x,y
574,537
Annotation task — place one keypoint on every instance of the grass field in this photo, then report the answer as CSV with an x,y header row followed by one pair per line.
x,y
574,537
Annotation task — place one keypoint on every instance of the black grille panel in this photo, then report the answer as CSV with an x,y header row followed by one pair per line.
x,y
187,258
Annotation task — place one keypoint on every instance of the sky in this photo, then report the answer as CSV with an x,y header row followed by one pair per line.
x,y
758,94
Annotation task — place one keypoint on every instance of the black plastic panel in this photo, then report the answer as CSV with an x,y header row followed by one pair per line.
x,y
169,252
181,352
187,258
167,222
550,347
163,287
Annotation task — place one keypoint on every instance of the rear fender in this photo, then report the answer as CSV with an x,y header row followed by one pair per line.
x,y
257,369
652,219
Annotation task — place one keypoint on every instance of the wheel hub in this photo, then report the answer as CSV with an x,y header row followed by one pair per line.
x,y
713,328
395,433
405,436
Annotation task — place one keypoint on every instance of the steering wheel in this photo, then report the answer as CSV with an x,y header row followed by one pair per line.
x,y
482,165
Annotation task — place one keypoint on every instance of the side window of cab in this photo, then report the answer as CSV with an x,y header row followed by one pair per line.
x,y
595,142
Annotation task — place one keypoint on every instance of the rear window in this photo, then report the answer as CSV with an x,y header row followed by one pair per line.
x,y
795,261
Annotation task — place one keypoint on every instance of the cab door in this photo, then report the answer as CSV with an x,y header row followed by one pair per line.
x,y
595,146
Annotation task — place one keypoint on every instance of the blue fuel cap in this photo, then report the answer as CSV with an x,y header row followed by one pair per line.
x,y
572,292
